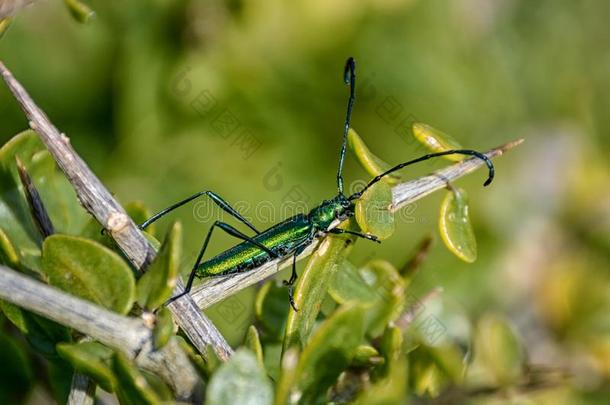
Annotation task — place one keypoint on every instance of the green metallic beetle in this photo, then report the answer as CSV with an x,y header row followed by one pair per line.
x,y
291,236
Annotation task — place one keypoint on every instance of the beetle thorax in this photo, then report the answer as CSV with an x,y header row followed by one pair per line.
x,y
324,214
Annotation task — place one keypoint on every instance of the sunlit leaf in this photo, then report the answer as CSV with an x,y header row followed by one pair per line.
x,y
241,380
371,163
435,140
92,359
157,285
455,227
89,270
372,211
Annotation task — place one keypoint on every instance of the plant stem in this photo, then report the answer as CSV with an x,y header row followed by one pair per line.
x,y
82,390
129,335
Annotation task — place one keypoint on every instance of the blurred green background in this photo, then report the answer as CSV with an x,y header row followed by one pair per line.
x,y
166,98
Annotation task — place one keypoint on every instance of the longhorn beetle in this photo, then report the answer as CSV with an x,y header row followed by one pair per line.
x,y
293,235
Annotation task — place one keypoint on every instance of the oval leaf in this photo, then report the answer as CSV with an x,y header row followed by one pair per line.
x,y
372,211
240,381
371,163
455,227
157,284
88,270
92,359
435,140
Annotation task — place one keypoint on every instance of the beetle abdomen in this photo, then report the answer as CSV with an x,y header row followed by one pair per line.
x,y
281,239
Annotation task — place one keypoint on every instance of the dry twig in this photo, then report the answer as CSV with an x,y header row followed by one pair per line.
x,y
98,201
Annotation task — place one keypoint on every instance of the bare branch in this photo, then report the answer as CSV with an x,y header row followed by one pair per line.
x,y
98,201
129,335
82,390
215,289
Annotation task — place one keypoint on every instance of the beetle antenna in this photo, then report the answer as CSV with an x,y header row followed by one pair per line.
x,y
468,152
349,77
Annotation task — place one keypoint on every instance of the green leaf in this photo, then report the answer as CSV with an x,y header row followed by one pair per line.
x,y
8,254
195,358
89,270
16,373
435,140
253,343
164,328
80,11
272,358
4,24
378,286
349,285
15,219
155,287
92,359
15,314
389,287
312,287
455,227
372,211
271,310
212,361
42,333
388,385
132,387
55,191
498,355
366,355
139,213
371,163
241,380
329,352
